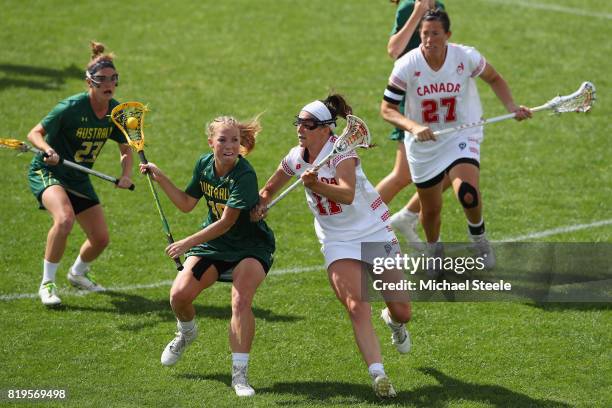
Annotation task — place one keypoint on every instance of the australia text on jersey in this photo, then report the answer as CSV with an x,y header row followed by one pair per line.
x,y
95,133
219,193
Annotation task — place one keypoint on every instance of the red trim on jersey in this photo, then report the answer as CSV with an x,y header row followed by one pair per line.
x,y
385,216
398,82
376,203
340,158
479,68
286,168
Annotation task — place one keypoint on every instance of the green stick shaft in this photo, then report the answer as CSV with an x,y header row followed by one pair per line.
x,y
165,225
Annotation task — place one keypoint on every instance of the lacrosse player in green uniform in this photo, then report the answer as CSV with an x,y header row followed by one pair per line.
x,y
76,130
229,247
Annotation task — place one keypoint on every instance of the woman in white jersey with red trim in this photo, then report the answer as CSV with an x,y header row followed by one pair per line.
x,y
347,211
438,82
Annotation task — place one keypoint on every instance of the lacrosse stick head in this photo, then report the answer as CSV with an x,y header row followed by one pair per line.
x,y
14,144
355,134
129,118
580,101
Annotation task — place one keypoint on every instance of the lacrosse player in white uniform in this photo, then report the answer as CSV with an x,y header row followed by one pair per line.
x,y
438,81
347,211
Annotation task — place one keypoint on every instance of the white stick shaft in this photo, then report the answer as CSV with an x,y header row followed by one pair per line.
x,y
89,171
485,121
284,193
78,167
299,181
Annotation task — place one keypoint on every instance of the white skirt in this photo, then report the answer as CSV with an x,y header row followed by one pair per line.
x,y
428,159
382,243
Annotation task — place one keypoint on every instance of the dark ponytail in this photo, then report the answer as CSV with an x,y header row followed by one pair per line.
x,y
337,106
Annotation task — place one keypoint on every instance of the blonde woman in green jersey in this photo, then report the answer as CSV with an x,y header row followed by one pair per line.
x,y
76,130
228,247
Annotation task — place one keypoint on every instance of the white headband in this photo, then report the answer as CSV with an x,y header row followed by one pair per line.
x,y
320,112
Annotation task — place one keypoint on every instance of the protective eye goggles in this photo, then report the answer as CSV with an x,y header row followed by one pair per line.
x,y
312,124
100,79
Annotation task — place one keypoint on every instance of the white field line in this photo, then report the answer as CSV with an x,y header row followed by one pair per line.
x,y
553,7
533,235
556,231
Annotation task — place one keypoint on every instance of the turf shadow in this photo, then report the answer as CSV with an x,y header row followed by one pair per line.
x,y
39,78
342,393
452,389
449,390
130,304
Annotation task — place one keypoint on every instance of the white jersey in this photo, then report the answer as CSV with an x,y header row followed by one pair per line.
x,y
335,222
441,99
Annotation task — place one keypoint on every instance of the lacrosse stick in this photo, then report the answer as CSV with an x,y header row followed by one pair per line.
x,y
580,101
20,146
354,135
129,118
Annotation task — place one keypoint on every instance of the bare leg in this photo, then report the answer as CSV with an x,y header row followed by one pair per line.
x,y
57,203
345,278
399,177
470,174
431,207
186,289
247,277
94,225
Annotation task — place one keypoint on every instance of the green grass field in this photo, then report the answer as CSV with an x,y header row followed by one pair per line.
x,y
191,61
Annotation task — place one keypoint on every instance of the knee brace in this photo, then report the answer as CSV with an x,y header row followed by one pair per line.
x,y
465,189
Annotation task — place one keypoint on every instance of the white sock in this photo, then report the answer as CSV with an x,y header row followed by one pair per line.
x,y
408,213
80,267
376,369
240,359
186,326
403,214
49,270
478,224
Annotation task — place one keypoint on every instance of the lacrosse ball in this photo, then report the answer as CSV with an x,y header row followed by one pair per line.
x,y
132,123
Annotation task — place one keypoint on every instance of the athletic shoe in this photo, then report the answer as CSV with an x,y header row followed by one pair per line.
x,y
84,282
399,334
482,248
174,350
48,294
406,223
434,260
240,384
383,387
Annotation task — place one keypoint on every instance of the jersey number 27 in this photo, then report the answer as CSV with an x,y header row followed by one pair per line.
x,y
431,108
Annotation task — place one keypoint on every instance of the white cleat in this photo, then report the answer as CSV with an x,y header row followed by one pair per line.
x,y
174,350
383,387
407,225
48,294
482,248
240,383
84,282
399,333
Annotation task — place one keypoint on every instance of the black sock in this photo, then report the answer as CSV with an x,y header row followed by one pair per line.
x,y
477,229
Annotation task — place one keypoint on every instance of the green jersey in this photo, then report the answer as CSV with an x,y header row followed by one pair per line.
x,y
76,134
237,189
